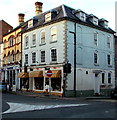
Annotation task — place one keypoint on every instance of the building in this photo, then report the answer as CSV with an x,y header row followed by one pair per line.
x,y
4,28
48,44
12,54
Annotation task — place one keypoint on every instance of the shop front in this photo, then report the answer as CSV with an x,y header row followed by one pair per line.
x,y
24,77
54,82
37,80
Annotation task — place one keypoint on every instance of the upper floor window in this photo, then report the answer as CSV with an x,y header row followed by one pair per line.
x,y
26,58
42,56
108,42
42,36
26,41
34,57
82,16
96,58
109,59
53,55
48,17
109,77
53,34
96,38
11,41
5,44
95,20
34,39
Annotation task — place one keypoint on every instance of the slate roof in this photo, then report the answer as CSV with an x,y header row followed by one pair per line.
x,y
64,12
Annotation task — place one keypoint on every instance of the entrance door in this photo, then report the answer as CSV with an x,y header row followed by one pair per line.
x,y
97,84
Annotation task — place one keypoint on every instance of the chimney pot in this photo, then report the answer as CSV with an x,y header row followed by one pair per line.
x,y
21,18
38,8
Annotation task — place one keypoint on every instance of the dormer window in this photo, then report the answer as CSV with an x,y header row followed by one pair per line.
x,y
80,14
30,23
48,17
95,20
103,23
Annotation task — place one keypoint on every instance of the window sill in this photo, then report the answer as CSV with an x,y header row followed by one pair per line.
x,y
96,64
109,65
33,46
53,62
42,44
26,48
53,41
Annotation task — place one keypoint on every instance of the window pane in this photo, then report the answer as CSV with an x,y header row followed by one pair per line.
x,y
33,57
43,37
53,55
34,39
53,34
95,58
42,56
26,58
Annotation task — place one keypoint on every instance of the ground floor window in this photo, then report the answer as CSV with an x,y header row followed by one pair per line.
x,y
56,84
39,83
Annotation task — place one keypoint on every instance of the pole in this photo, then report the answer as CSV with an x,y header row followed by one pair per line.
x,y
75,59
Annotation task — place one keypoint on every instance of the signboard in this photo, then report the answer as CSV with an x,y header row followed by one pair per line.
x,y
49,73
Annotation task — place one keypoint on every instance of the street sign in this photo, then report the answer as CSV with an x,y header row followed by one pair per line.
x,y
49,73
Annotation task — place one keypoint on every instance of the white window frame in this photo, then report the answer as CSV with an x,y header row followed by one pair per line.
x,y
26,41
109,59
33,58
42,56
96,58
42,38
53,34
33,39
26,58
96,38
108,42
53,57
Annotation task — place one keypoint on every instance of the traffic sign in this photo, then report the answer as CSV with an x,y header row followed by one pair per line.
x,y
49,73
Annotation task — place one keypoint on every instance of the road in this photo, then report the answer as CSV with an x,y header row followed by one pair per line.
x,y
18,106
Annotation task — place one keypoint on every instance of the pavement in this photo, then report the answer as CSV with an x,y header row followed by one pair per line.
x,y
43,95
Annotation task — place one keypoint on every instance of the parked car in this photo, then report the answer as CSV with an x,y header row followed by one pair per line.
x,y
3,87
114,93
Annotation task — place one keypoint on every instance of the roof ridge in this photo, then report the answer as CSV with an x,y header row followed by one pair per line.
x,y
64,10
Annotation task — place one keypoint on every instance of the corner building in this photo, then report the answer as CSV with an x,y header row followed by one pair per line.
x,y
48,42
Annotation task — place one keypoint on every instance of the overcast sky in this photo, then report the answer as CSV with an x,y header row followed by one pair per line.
x,y
9,9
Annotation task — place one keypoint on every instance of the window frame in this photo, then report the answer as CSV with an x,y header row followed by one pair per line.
x,y
33,57
42,56
53,55
53,34
96,38
34,39
26,58
42,38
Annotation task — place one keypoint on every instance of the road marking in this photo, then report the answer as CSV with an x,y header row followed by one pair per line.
x,y
21,107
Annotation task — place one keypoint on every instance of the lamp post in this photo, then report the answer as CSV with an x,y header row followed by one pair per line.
x,y
74,33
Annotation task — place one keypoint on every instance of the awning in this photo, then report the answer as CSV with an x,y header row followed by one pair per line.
x,y
55,74
36,74
23,75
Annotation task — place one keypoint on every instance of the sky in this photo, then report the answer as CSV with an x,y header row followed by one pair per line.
x,y
9,9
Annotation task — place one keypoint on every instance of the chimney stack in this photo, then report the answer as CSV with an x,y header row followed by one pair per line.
x,y
38,8
21,18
